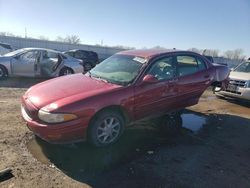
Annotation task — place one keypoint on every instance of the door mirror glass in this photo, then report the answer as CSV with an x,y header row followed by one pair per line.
x,y
149,79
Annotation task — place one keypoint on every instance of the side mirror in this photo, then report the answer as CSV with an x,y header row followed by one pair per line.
x,y
149,79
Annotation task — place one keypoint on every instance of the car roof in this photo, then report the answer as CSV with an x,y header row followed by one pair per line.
x,y
50,50
74,50
149,53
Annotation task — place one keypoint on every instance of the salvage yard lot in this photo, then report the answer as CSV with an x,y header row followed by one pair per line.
x,y
211,150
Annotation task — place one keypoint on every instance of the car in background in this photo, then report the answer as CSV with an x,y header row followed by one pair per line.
x,y
5,48
128,86
89,58
38,62
210,58
239,83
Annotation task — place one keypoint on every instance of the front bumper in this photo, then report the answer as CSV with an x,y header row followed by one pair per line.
x,y
67,132
241,93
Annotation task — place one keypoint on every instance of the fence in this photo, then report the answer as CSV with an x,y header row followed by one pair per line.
x,y
17,42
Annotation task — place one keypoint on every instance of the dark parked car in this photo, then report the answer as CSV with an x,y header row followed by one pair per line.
x,y
126,87
89,58
210,58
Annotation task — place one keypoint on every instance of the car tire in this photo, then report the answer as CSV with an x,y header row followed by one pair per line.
x,y
106,128
66,71
3,72
171,124
87,66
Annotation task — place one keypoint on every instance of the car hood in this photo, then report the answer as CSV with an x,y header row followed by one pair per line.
x,y
61,91
239,75
5,59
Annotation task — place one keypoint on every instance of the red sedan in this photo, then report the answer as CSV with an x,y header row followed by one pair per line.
x,y
128,86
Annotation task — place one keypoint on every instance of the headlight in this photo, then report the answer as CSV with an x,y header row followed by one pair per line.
x,y
55,117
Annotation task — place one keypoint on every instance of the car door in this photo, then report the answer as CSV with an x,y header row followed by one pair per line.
x,y
193,78
25,64
49,63
158,97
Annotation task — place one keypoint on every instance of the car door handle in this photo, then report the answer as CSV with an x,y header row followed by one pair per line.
x,y
206,76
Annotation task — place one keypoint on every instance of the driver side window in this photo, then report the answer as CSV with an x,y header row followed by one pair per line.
x,y
163,69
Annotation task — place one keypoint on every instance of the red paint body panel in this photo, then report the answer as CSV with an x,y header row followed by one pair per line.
x,y
85,96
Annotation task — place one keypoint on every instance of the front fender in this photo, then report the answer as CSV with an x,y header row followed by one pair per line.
x,y
6,62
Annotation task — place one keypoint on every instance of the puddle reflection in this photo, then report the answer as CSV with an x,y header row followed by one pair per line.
x,y
193,122
84,162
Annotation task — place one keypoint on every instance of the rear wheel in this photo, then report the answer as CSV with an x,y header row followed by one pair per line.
x,y
106,128
3,72
66,71
171,124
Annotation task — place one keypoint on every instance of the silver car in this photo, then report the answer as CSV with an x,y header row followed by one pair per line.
x,y
38,62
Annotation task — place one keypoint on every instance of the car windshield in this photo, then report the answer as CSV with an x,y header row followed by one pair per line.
x,y
243,67
14,52
118,69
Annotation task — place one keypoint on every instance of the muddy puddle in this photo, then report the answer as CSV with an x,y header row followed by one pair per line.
x,y
84,162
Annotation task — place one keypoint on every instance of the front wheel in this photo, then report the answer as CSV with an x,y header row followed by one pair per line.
x,y
106,128
3,73
66,71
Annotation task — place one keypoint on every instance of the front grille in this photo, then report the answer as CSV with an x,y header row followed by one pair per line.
x,y
238,83
28,112
234,85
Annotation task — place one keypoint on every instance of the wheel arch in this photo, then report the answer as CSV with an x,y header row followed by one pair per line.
x,y
7,72
65,67
115,108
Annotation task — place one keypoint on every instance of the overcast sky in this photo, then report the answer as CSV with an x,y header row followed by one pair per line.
x,y
183,24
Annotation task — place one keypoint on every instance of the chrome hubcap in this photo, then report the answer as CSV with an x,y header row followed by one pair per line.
x,y
108,130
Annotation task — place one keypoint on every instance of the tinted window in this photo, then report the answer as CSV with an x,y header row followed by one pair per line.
x,y
48,55
189,65
70,53
201,64
244,67
163,69
80,54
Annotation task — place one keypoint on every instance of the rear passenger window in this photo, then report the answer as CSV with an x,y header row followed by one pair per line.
x,y
189,65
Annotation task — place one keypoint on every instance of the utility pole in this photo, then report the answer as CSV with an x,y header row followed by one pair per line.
x,y
25,32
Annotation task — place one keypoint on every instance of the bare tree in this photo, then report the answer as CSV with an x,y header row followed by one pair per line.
x,y
199,51
211,52
159,47
60,39
72,39
234,54
43,37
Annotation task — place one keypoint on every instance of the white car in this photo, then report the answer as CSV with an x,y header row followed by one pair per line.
x,y
239,84
38,62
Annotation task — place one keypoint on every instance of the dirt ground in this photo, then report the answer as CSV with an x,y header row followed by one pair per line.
x,y
211,149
